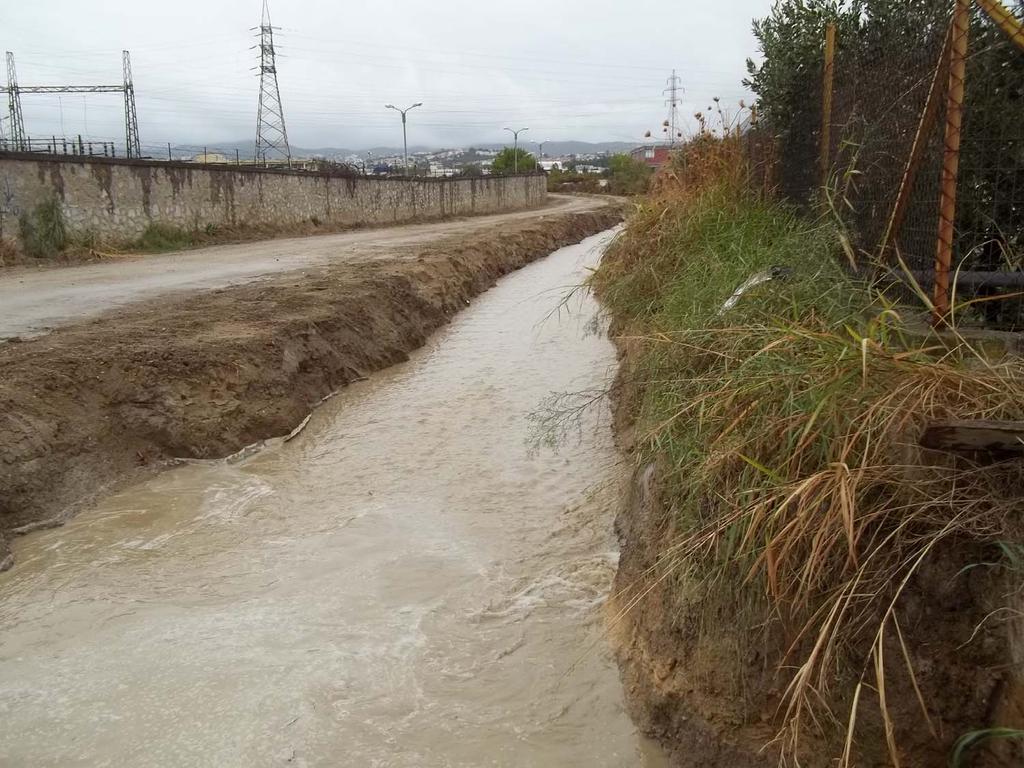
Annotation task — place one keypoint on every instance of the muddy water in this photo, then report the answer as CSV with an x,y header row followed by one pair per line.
x,y
404,584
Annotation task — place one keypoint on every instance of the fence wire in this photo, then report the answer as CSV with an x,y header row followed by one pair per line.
x,y
223,156
887,133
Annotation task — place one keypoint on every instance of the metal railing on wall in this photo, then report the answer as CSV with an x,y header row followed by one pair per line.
x,y
62,145
230,156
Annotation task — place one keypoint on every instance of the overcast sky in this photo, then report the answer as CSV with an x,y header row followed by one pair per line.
x,y
590,70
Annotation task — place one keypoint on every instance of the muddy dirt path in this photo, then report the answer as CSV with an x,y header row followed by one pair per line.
x,y
34,301
406,583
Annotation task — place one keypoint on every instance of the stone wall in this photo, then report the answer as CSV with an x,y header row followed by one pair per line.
x,y
115,200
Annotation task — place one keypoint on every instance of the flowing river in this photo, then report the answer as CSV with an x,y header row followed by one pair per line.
x,y
407,583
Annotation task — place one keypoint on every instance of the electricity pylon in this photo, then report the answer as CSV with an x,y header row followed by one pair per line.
x,y
271,134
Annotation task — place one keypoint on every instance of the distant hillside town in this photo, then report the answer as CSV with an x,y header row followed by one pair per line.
x,y
573,157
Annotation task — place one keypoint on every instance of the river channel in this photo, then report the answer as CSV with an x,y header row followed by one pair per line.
x,y
409,582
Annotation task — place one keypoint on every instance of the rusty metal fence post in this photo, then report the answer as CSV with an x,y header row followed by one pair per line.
x,y
951,158
929,117
828,77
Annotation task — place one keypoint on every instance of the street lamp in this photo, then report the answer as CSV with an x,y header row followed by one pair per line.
x,y
405,139
515,151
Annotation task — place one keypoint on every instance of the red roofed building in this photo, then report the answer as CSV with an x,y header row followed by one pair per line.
x,y
654,156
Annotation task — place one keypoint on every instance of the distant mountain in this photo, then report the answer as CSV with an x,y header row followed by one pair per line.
x,y
245,148
562,148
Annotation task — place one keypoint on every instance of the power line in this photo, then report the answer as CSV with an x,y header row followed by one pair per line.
x,y
598,97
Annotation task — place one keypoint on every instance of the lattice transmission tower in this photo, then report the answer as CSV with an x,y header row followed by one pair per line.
x,y
271,134
674,92
131,119
17,121
19,140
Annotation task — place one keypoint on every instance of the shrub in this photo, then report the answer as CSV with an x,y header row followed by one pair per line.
x,y
163,237
510,159
43,232
628,176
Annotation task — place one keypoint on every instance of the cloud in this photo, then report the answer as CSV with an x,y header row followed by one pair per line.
x,y
577,69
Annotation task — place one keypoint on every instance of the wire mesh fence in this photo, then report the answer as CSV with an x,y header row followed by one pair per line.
x,y
230,155
907,120
64,145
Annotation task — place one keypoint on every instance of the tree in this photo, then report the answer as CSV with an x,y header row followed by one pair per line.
x,y
628,176
505,161
886,55
887,50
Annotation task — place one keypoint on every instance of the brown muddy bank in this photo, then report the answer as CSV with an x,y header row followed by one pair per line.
x,y
705,673
91,405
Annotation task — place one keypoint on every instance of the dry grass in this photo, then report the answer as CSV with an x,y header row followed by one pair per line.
x,y
791,428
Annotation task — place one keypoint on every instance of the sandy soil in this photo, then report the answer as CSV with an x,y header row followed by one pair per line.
x,y
91,404
35,300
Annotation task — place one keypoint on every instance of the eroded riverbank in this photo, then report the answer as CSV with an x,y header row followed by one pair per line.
x,y
407,583
89,406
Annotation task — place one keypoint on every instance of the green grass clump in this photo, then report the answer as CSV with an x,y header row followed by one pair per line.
x,y
43,231
159,238
676,265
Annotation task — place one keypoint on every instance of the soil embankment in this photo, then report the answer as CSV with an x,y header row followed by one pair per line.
x,y
702,672
676,692
803,578
92,404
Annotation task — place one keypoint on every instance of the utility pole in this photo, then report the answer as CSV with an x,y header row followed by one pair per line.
x,y
540,149
515,150
674,93
17,127
131,119
271,134
405,135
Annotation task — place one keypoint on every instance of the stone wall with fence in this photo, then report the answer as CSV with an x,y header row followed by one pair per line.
x,y
113,200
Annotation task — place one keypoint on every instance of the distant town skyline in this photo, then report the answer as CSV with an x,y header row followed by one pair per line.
x,y
568,72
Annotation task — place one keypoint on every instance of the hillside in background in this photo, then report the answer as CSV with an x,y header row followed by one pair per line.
x,y
245,149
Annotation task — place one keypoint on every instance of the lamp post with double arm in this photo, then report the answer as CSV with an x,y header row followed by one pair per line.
x,y
405,136
515,149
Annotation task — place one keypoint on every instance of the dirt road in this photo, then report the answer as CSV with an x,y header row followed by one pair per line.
x,y
33,301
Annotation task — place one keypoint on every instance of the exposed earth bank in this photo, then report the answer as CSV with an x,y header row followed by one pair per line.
x,y
202,376
703,678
